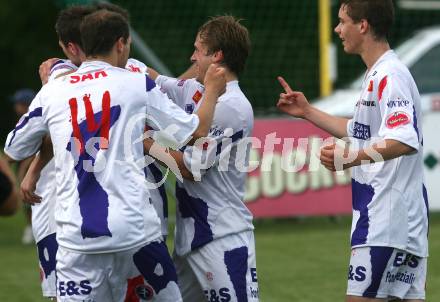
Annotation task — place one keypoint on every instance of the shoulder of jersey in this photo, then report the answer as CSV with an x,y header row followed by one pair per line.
x,y
134,65
61,67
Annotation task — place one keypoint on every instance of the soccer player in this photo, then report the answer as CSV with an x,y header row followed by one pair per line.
x,y
42,193
390,207
108,234
9,197
214,243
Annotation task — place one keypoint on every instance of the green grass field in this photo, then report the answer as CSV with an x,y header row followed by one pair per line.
x,y
298,261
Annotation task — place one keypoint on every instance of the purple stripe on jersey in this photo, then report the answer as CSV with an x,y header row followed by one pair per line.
x,y
425,198
93,200
380,256
236,265
61,61
196,208
154,263
235,137
150,83
362,195
34,113
49,244
158,176
415,123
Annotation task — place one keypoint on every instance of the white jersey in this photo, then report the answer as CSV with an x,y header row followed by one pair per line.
x,y
43,220
390,204
93,116
212,206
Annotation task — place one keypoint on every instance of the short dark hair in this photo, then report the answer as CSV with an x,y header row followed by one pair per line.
x,y
378,13
225,33
68,22
112,8
100,31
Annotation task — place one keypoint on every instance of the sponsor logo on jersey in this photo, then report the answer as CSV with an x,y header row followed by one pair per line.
x,y
397,119
197,96
88,76
370,86
209,276
181,82
361,131
133,68
366,103
398,103
144,292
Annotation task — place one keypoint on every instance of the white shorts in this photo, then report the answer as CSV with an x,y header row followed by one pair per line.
x,y
223,270
47,251
385,272
140,274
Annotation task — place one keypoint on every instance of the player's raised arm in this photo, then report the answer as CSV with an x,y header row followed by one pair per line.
x,y
215,83
296,104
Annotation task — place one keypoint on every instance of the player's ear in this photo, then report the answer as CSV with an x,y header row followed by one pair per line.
x,y
218,56
363,26
120,44
73,49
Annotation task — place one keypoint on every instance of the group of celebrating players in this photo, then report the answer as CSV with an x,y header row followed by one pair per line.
x,y
102,123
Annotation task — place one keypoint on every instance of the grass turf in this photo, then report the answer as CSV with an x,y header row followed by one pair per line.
x,y
301,260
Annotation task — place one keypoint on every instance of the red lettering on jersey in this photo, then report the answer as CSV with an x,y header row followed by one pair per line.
x,y
87,76
74,79
134,68
92,125
397,119
382,85
370,87
74,120
197,96
100,73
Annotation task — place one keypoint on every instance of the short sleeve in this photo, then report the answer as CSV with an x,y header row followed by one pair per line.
x,y
399,118
175,127
25,140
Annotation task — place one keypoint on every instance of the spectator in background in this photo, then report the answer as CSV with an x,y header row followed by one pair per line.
x,y
22,98
9,197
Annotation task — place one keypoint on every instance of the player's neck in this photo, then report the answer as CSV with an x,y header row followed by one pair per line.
x,y
373,52
110,59
230,76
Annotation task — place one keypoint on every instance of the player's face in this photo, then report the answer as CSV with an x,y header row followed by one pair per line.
x,y
201,59
349,32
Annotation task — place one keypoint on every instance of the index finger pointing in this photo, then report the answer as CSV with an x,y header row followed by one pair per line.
x,y
285,85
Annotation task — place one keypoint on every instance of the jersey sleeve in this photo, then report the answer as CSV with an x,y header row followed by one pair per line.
x,y
223,135
399,119
25,140
175,89
134,65
174,125
61,67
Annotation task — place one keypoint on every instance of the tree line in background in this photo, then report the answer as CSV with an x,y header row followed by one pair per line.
x,y
284,37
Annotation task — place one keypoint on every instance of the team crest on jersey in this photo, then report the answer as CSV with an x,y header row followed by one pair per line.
x,y
133,68
144,292
397,119
197,96
209,276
